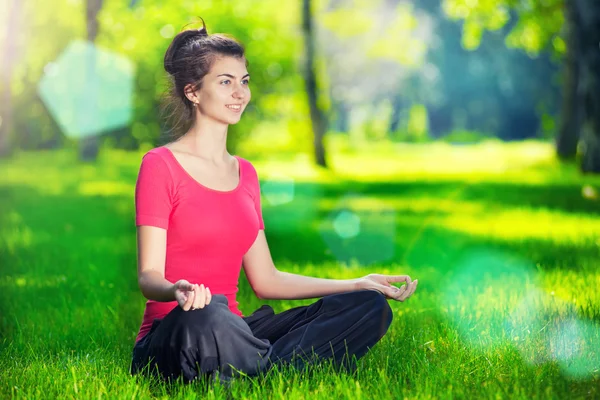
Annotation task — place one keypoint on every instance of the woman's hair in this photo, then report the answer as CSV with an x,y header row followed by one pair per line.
x,y
188,59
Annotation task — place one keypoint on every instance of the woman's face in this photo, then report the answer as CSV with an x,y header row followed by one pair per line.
x,y
225,91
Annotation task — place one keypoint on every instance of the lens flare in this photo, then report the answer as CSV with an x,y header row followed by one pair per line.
x,y
88,90
360,229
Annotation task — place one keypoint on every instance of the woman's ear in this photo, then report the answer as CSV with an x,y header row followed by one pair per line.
x,y
192,96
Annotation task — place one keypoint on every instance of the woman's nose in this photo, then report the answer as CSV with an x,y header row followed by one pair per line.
x,y
239,92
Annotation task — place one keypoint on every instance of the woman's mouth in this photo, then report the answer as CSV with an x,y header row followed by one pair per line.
x,y
236,108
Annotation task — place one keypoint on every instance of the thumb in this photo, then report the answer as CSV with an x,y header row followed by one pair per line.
x,y
389,291
384,290
185,285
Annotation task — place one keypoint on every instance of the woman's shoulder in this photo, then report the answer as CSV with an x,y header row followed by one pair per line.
x,y
160,150
156,160
247,165
156,155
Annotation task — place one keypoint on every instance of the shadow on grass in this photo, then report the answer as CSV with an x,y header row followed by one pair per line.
x,y
560,197
412,234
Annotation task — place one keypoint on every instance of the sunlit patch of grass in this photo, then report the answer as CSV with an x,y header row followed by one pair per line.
x,y
15,234
105,188
530,162
444,161
420,204
525,223
60,172
31,281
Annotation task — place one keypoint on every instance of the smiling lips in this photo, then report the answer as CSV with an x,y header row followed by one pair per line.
x,y
234,107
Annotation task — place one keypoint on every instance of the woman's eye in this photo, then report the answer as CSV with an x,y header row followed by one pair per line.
x,y
245,80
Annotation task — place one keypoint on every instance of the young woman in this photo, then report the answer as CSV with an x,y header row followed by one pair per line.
x,y
199,219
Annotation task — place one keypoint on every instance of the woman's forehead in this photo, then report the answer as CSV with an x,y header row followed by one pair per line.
x,y
229,65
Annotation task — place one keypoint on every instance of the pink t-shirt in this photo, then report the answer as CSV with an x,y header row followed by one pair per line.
x,y
208,231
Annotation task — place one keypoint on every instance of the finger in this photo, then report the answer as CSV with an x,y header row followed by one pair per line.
x,y
208,296
398,278
413,288
186,286
191,295
408,292
416,282
390,291
394,292
201,296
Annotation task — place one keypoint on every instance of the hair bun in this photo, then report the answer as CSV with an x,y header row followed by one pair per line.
x,y
203,31
181,40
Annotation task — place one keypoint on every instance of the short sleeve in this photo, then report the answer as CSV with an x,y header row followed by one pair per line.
x,y
257,204
153,192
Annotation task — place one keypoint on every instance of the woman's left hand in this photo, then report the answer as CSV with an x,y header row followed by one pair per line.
x,y
383,284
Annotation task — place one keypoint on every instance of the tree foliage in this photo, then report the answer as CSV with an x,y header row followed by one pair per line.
x,y
536,26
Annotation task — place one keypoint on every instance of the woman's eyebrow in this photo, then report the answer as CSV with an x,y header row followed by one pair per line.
x,y
231,76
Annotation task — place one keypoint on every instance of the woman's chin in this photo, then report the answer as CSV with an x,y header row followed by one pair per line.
x,y
233,120
229,120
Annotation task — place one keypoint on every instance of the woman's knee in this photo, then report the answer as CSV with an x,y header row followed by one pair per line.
x,y
367,305
382,312
374,298
376,307
184,331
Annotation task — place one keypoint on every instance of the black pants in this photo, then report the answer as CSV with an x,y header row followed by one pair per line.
x,y
212,341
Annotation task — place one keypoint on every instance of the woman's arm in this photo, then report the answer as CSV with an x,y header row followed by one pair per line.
x,y
151,242
292,286
269,283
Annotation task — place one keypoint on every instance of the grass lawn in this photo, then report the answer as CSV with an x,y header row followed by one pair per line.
x,y
504,242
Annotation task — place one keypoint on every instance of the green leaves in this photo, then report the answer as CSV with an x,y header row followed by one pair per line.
x,y
538,24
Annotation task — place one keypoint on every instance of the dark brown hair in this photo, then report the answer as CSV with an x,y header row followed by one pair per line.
x,y
188,59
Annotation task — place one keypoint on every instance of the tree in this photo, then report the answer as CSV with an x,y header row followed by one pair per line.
x,y
9,57
541,25
588,12
88,149
317,116
570,119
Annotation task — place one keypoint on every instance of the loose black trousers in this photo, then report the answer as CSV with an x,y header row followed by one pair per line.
x,y
212,341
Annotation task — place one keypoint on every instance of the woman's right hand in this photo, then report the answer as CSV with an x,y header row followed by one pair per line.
x,y
191,296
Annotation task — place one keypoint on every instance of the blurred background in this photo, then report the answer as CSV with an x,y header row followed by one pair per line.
x,y
457,141
459,71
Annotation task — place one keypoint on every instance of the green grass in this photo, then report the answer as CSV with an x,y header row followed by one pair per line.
x,y
503,243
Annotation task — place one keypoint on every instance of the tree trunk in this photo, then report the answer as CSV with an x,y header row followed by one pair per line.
x,y
88,147
589,12
343,117
572,107
9,55
317,116
397,104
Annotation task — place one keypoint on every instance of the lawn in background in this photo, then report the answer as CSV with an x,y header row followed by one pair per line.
x,y
504,240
